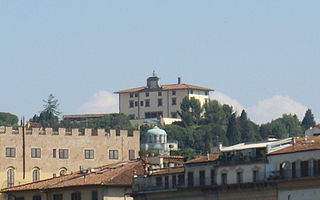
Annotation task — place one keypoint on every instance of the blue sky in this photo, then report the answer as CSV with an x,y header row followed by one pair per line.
x,y
262,56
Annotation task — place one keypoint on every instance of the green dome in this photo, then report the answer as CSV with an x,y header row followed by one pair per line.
x,y
156,131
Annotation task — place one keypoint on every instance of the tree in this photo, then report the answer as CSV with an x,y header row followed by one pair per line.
x,y
308,120
8,119
190,111
49,116
51,105
233,132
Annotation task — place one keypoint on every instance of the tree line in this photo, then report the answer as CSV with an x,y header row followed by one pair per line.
x,y
202,128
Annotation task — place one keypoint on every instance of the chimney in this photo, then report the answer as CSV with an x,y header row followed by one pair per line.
x,y
179,80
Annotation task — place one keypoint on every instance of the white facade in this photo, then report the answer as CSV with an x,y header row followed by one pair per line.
x,y
155,100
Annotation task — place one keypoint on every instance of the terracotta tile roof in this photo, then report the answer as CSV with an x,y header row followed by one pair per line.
x,y
175,170
300,144
167,87
118,174
201,159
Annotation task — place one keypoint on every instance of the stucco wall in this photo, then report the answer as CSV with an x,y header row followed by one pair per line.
x,y
76,144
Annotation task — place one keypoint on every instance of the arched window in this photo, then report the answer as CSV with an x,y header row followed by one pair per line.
x,y
36,175
63,171
10,178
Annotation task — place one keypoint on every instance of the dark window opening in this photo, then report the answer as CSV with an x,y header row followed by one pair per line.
x,y
202,177
190,179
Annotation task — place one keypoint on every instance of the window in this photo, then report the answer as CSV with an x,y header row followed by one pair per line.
x,y
159,94
57,197
36,175
131,116
63,171
135,94
223,178
147,103
239,177
202,175
174,115
89,154
54,153
94,195
191,91
117,132
190,179
206,93
255,175
159,181
131,155
159,102
10,152
131,103
113,154
63,153
131,95
147,94
35,153
149,115
141,103
38,197
212,177
174,101
76,196
174,181
173,93
304,167
136,104
181,180
166,182
10,178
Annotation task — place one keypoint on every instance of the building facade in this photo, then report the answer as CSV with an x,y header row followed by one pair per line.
x,y
108,182
158,101
271,170
39,154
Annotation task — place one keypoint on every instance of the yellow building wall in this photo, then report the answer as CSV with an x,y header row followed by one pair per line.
x,y
73,141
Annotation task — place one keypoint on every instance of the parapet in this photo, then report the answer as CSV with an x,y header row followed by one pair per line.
x,y
70,132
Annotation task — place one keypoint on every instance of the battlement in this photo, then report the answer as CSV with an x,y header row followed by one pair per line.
x,y
71,132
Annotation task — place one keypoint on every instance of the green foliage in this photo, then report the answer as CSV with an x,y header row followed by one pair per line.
x,y
233,131
219,124
8,119
49,116
190,111
285,126
308,120
51,105
111,121
187,153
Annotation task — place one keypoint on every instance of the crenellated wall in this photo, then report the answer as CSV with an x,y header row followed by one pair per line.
x,y
76,141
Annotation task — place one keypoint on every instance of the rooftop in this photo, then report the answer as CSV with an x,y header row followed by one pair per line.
x,y
170,170
208,158
167,87
300,144
118,174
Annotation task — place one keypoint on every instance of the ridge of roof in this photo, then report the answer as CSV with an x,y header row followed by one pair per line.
x,y
180,86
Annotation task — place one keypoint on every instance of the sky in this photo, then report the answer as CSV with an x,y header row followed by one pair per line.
x,y
261,56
